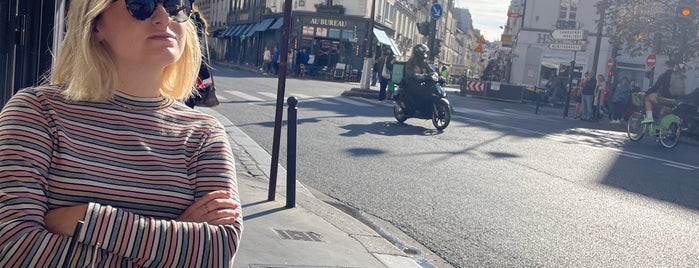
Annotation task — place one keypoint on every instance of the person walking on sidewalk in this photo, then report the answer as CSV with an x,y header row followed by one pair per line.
x,y
385,67
620,97
101,166
661,88
588,95
266,61
600,93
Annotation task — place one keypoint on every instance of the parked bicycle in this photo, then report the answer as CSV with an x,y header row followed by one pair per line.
x,y
665,129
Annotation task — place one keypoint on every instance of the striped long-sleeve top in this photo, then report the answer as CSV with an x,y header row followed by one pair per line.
x,y
137,162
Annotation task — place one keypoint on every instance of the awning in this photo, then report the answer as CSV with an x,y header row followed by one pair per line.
x,y
228,31
237,29
277,24
243,30
263,25
384,39
250,30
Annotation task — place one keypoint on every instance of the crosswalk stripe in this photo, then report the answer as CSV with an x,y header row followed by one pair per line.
x,y
268,94
353,102
243,96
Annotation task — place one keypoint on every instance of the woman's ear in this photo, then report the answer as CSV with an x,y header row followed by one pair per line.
x,y
96,32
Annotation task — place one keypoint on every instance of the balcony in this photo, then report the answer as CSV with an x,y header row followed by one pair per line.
x,y
334,9
566,24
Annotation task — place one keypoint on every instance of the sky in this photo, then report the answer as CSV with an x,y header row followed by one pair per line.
x,y
488,15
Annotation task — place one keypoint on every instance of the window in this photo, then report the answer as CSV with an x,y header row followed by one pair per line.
x,y
309,30
568,10
347,34
334,33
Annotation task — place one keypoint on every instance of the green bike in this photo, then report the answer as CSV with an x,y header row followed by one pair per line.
x,y
665,129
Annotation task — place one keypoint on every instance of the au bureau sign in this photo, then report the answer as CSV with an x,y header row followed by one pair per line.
x,y
329,22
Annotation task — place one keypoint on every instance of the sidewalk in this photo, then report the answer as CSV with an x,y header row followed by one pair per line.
x,y
312,234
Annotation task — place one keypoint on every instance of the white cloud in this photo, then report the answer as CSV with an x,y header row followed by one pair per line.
x,y
487,16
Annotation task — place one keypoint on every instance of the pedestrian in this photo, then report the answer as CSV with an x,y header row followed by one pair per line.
x,y
266,61
601,90
588,95
275,60
202,31
620,98
385,69
375,72
101,166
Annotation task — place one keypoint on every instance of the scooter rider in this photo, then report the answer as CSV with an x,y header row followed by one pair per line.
x,y
418,77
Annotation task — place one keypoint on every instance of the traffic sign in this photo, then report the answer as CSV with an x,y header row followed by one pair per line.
x,y
610,63
514,15
650,61
567,46
569,34
436,11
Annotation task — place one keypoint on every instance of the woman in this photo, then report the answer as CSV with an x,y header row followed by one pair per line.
x,y
106,143
385,62
600,91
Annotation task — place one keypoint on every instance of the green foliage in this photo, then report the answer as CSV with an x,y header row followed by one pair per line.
x,y
321,7
651,25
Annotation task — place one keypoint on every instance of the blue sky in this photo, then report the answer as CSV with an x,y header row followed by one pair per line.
x,y
487,16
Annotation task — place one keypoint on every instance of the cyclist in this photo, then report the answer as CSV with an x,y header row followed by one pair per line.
x,y
661,89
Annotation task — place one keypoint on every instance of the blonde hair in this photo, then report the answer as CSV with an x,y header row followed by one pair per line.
x,y
86,72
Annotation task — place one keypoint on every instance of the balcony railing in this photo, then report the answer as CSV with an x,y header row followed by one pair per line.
x,y
566,24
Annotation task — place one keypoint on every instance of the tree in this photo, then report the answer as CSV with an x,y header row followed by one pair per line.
x,y
655,25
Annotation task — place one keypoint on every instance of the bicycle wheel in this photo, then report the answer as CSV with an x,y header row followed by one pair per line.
x,y
635,129
671,137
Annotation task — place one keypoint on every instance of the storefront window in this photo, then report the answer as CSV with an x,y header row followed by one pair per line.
x,y
309,30
347,34
321,32
334,33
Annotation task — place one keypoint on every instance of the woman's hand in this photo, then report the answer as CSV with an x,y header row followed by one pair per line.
x,y
63,220
214,208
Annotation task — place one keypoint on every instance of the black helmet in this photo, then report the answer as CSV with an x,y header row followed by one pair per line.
x,y
421,51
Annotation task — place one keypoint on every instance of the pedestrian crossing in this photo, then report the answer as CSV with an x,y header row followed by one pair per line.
x,y
265,98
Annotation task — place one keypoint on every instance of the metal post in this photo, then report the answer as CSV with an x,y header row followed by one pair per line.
x,y
281,87
432,36
368,56
291,153
570,83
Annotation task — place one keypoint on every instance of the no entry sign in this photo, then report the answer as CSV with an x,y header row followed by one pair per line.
x,y
650,61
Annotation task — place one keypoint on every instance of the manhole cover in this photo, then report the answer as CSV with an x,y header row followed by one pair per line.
x,y
298,235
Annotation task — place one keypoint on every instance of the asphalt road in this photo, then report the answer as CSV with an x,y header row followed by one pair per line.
x,y
500,187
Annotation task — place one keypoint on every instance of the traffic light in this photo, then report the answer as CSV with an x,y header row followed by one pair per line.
x,y
684,8
423,28
615,51
437,47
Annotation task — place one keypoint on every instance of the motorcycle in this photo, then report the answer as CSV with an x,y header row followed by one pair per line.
x,y
435,107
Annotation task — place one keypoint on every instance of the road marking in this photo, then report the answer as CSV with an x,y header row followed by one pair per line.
x,y
349,100
565,137
681,166
243,96
268,94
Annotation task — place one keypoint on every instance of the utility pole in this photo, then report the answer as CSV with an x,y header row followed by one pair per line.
x,y
601,10
431,37
368,56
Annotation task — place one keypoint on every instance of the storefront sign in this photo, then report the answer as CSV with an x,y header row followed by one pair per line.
x,y
329,22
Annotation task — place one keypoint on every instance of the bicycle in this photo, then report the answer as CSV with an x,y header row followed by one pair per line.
x,y
665,129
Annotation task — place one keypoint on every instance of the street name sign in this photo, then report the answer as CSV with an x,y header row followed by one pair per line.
x,y
569,34
567,46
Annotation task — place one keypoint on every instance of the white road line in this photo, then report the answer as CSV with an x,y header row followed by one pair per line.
x,y
682,166
243,96
268,94
349,100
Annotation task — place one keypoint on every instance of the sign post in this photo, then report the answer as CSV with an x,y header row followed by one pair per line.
x,y
573,40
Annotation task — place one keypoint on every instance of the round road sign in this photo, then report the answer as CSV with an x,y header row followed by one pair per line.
x,y
650,61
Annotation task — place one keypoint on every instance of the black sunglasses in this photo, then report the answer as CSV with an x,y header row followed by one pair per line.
x,y
179,10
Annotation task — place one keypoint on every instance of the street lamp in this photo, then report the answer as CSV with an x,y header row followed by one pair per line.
x,y
368,57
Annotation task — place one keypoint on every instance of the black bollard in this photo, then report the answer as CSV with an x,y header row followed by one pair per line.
x,y
291,153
